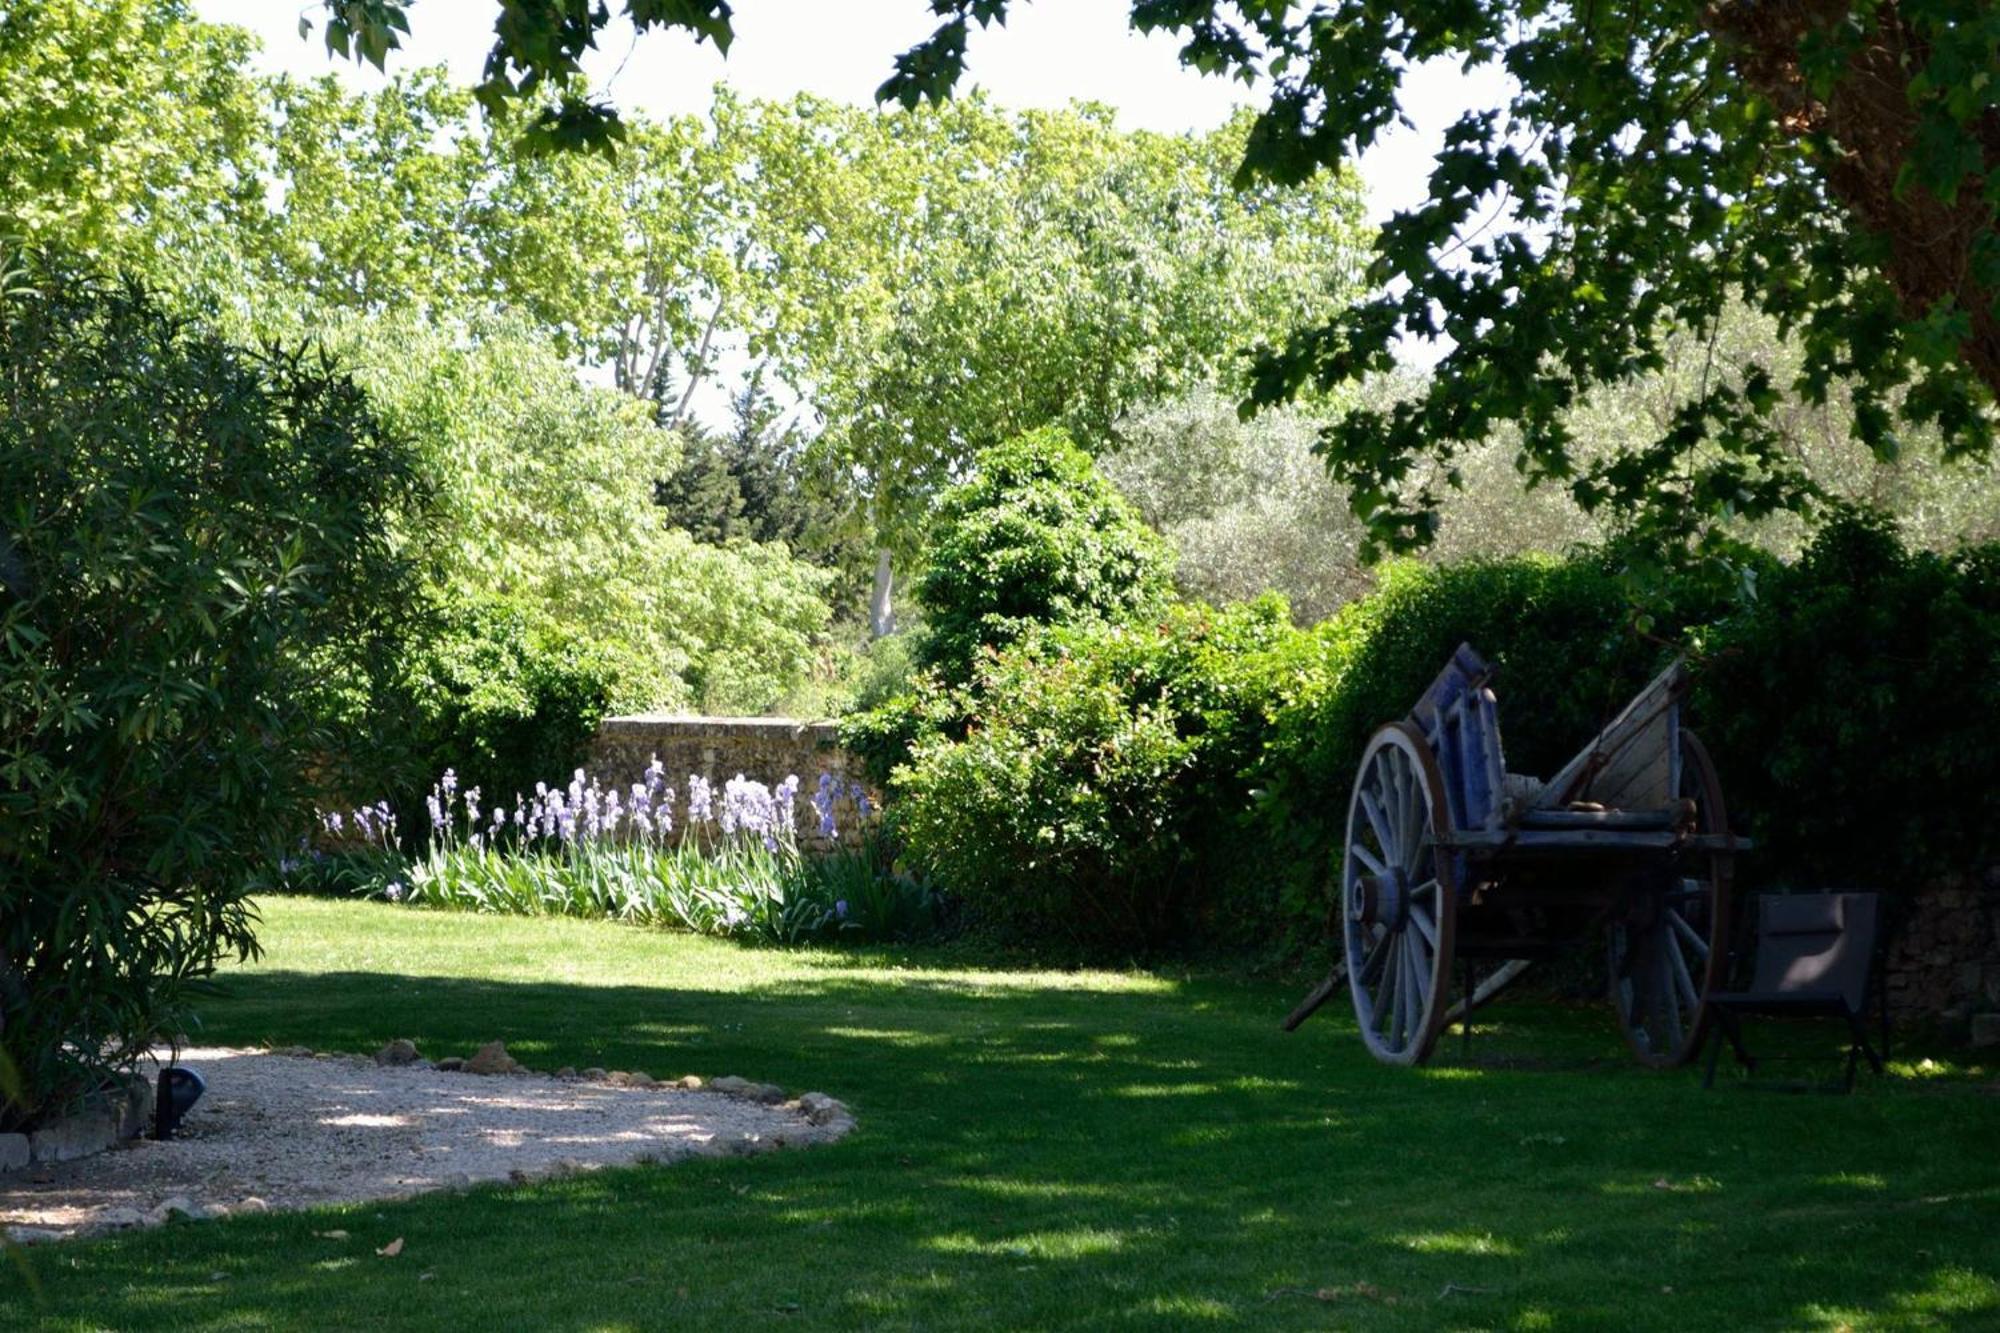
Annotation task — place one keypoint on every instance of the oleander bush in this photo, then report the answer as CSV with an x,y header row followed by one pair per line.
x,y
197,578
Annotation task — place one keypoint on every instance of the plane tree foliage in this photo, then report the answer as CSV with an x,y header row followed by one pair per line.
x,y
1832,164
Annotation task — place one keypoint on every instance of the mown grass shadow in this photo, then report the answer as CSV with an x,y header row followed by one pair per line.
x,y
1155,1154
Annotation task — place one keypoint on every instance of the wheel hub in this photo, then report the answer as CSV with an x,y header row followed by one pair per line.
x,y
1381,899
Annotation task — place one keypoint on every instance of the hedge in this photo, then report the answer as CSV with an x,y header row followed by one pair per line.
x,y
1184,779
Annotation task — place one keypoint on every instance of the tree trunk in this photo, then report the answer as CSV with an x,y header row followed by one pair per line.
x,y
1873,127
881,613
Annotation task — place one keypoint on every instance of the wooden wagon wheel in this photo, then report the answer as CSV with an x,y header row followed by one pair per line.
x,y
1399,897
1669,949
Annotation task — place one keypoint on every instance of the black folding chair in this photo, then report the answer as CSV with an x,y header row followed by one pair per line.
x,y
1815,957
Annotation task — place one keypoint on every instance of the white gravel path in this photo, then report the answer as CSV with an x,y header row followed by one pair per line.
x,y
283,1130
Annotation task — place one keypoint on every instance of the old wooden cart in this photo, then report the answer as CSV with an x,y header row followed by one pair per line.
x,y
1450,859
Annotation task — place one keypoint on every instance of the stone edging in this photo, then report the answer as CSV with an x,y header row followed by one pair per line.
x,y
101,1124
825,1119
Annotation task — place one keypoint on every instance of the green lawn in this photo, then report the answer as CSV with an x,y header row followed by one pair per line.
x,y
1112,1149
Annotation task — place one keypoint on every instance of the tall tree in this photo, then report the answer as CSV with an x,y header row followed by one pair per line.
x,y
637,262
373,199
1835,164
130,128
1006,272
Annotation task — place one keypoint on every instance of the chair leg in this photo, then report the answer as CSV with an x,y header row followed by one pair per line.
x,y
1728,1030
1859,1031
1882,1003
1733,1029
1465,1022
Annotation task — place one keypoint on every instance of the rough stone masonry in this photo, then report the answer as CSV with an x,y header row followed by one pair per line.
x,y
768,749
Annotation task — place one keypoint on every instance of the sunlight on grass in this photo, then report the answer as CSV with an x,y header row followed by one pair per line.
x,y
1006,1188
1860,1180
895,1036
1077,1243
1948,1295
1450,1074
1187,1307
1458,1242
1166,1090
1663,1185
1928,1068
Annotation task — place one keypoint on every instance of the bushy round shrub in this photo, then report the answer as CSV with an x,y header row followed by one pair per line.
x,y
1035,537
195,559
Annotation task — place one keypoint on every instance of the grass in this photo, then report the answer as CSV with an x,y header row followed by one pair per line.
x,y
1040,1149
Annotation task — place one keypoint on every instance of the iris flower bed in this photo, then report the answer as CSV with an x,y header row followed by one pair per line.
x,y
721,862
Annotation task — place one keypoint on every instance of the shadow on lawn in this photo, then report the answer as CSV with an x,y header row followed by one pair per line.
x,y
1159,1157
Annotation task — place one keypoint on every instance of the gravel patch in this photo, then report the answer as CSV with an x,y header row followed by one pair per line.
x,y
281,1130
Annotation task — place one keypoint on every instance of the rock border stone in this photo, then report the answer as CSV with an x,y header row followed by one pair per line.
x,y
106,1119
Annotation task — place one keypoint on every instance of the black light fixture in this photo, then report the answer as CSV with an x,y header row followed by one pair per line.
x,y
180,1089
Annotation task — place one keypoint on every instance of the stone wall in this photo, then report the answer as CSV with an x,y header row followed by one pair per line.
x,y
767,749
1943,965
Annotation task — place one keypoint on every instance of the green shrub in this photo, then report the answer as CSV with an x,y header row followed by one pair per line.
x,y
1850,708
195,566
506,698
1103,762
1036,537
1187,780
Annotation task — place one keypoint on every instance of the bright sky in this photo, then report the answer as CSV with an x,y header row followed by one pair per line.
x,y
1050,53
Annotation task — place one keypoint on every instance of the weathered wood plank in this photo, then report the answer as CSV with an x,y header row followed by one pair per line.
x,y
1318,996
1575,779
1489,987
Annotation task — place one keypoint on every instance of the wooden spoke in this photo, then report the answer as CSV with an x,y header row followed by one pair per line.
x,y
1367,858
1408,809
1421,919
1669,1010
1418,843
1377,956
1378,821
1392,977
1684,987
1688,934
1416,967
1409,994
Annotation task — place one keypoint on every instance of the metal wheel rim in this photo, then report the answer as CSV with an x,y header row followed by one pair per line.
x,y
1661,974
1397,936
